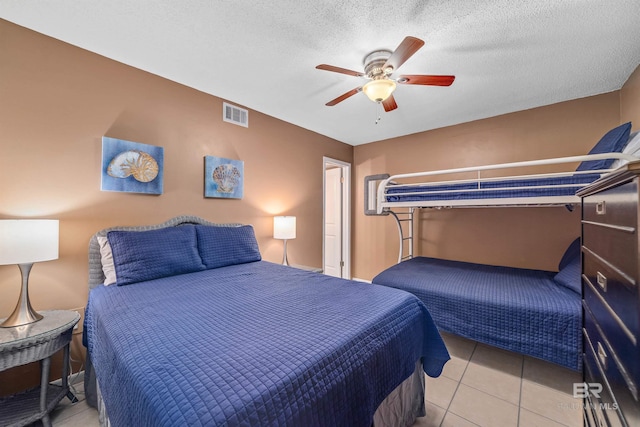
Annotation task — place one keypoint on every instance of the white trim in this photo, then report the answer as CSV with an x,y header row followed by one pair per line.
x,y
355,279
346,211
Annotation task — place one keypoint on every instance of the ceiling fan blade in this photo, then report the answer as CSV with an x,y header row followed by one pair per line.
x,y
339,70
419,79
343,97
389,104
404,51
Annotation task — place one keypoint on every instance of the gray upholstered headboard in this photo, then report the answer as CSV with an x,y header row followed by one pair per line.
x,y
96,276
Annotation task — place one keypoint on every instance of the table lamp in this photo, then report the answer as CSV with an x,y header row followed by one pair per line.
x,y
284,227
23,242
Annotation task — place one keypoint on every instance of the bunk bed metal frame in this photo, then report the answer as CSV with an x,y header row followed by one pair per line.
x,y
377,190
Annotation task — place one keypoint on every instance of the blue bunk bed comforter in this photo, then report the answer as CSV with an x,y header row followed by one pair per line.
x,y
525,311
254,344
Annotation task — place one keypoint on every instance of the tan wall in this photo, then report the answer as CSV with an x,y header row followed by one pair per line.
x,y
56,103
630,100
519,237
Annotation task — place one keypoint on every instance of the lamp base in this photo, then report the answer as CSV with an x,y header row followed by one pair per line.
x,y
23,314
285,261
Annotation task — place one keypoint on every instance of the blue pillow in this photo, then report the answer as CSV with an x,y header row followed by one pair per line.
x,y
147,255
573,251
571,276
222,246
614,141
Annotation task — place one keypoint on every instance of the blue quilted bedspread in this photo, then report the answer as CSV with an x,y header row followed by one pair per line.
x,y
516,309
255,344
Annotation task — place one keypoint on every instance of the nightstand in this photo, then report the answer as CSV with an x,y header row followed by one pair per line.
x,y
29,343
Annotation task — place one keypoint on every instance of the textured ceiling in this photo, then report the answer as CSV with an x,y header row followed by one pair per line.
x,y
506,55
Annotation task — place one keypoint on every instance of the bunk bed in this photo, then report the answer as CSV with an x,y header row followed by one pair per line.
x,y
537,313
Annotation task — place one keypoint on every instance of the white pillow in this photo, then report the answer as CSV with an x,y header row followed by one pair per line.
x,y
632,148
108,268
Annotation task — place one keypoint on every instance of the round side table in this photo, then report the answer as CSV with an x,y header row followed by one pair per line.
x,y
36,341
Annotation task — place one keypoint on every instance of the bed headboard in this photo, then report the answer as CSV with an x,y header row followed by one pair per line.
x,y
96,276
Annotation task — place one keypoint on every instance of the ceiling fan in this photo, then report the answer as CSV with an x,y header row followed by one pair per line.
x,y
379,65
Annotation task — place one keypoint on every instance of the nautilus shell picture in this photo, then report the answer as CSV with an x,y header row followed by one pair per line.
x,y
131,166
138,164
223,177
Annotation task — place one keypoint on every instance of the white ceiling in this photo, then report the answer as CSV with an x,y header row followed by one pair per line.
x,y
506,55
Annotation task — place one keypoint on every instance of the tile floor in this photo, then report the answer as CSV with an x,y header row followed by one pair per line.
x,y
480,386
486,386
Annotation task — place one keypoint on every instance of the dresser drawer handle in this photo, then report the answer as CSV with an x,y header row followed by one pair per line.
x,y
601,208
602,281
602,356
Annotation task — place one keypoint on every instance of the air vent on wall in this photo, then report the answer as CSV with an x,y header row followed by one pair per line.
x,y
236,115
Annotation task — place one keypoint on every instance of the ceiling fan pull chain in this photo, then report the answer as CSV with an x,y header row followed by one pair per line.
x,y
379,112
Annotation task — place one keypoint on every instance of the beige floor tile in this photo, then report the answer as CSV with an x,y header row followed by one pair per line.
x,y
452,420
530,419
434,416
440,391
482,408
550,403
550,375
494,381
88,418
455,368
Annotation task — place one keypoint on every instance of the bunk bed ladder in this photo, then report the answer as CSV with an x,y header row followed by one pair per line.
x,y
404,221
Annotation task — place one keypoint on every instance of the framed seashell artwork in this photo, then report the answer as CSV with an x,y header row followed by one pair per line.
x,y
223,178
131,167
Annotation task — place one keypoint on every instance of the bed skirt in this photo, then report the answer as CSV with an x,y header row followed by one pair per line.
x,y
400,408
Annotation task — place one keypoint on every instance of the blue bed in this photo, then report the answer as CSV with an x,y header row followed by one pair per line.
x,y
497,189
533,312
233,340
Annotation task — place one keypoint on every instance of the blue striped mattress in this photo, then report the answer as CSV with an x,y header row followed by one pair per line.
x,y
519,310
255,344
538,187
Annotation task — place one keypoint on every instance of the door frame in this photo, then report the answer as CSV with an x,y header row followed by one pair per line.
x,y
327,163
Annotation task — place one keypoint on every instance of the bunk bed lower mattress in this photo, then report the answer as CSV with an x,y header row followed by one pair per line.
x,y
502,189
519,310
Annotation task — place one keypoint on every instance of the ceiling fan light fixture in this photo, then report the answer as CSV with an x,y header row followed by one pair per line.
x,y
379,90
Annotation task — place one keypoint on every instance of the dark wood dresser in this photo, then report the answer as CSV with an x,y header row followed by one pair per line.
x,y
611,301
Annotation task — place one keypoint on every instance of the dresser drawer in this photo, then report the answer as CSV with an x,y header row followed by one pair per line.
x,y
617,246
621,340
618,390
619,290
601,408
616,206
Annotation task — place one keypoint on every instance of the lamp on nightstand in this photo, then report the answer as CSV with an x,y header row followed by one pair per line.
x,y
23,242
284,227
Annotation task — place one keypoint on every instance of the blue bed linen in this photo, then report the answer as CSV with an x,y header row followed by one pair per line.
x,y
492,189
519,310
255,344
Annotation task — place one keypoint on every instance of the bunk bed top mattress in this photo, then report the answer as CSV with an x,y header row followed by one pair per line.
x,y
508,188
254,343
520,310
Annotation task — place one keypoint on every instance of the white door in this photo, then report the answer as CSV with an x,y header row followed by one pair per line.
x,y
333,222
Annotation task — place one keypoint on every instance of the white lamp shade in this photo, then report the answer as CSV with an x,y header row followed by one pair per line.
x,y
24,241
284,227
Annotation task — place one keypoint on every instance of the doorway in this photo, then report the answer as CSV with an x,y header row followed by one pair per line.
x,y
336,228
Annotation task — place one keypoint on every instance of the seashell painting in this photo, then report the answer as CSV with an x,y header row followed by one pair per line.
x,y
227,177
131,166
138,164
223,177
